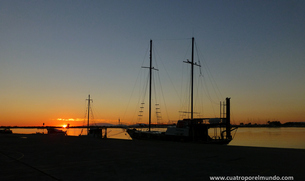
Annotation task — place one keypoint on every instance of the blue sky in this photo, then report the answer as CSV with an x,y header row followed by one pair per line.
x,y
54,53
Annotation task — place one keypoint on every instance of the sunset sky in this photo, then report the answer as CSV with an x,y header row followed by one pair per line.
x,y
54,53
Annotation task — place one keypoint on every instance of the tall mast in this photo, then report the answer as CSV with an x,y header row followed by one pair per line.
x,y
89,100
192,94
192,78
150,65
228,118
150,78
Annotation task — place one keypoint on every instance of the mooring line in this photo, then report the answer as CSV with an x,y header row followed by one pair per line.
x,y
18,160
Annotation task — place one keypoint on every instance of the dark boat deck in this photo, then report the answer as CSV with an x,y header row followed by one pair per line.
x,y
52,157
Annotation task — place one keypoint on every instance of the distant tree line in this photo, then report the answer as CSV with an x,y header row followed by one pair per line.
x,y
274,124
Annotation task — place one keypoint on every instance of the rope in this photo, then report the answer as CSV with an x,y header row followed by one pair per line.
x,y
28,165
172,39
163,98
210,75
135,84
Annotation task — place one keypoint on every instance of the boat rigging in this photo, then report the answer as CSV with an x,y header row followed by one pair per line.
x,y
193,129
150,77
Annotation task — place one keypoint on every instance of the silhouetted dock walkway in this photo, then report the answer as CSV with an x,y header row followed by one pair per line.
x,y
52,157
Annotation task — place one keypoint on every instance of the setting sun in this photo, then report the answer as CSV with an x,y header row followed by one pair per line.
x,y
64,126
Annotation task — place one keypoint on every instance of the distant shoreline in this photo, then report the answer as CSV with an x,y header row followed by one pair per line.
x,y
268,126
272,124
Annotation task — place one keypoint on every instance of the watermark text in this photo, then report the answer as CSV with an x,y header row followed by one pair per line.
x,y
246,178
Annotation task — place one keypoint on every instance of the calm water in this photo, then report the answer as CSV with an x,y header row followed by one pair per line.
x,y
258,137
270,137
111,133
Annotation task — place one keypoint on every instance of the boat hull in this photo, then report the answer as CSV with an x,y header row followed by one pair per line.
x,y
53,131
153,135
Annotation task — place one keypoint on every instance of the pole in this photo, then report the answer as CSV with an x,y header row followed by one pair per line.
x,y
192,78
192,95
150,72
150,77
228,118
220,110
223,109
89,100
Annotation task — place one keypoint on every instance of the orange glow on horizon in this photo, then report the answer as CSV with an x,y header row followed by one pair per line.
x,y
69,119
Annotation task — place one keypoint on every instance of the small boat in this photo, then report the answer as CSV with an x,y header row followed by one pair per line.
x,y
6,131
193,129
54,131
